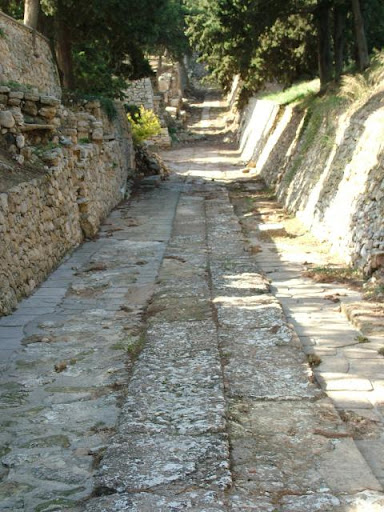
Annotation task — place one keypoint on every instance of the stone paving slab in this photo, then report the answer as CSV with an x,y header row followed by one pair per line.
x,y
155,462
345,469
175,392
195,501
251,312
348,363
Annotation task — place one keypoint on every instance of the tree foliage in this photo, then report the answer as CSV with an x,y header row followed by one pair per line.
x,y
283,40
14,8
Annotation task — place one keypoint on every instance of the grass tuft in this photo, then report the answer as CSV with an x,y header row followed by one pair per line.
x,y
331,274
293,94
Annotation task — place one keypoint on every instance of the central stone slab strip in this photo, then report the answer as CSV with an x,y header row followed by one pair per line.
x,y
171,449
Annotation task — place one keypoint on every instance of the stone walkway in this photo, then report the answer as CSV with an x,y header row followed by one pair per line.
x,y
346,363
155,370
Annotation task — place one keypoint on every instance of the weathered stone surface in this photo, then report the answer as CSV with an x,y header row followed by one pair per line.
x,y
50,100
16,94
368,500
158,461
6,119
313,502
176,387
343,469
19,64
196,500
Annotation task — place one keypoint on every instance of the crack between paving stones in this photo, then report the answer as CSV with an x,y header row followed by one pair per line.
x,y
215,319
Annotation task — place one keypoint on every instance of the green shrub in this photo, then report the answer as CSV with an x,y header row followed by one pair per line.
x,y
144,125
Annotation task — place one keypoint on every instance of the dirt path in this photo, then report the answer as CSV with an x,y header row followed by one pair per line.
x,y
157,370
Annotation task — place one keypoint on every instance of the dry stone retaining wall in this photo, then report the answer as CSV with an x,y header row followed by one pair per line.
x,y
26,58
335,183
140,92
81,161
255,125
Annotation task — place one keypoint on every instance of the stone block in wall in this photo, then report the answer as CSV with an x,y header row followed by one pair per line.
x,y
6,119
47,112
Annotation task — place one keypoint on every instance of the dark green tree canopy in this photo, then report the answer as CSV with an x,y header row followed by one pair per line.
x,y
283,40
101,43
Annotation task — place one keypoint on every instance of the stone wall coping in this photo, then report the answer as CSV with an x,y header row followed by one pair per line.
x,y
24,27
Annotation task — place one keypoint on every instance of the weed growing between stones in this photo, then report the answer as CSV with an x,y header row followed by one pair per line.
x,y
314,360
362,339
74,98
381,351
40,149
298,92
374,292
16,86
54,504
135,348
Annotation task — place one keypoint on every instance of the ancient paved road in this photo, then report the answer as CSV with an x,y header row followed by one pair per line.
x,y
156,371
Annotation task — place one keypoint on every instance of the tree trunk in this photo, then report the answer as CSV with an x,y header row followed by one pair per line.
x,y
340,16
63,47
31,13
361,40
324,43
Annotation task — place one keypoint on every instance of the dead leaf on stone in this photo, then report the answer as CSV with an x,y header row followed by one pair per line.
x,y
286,492
255,249
361,427
96,267
112,230
36,338
93,267
333,298
331,435
130,222
60,367
127,309
178,258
